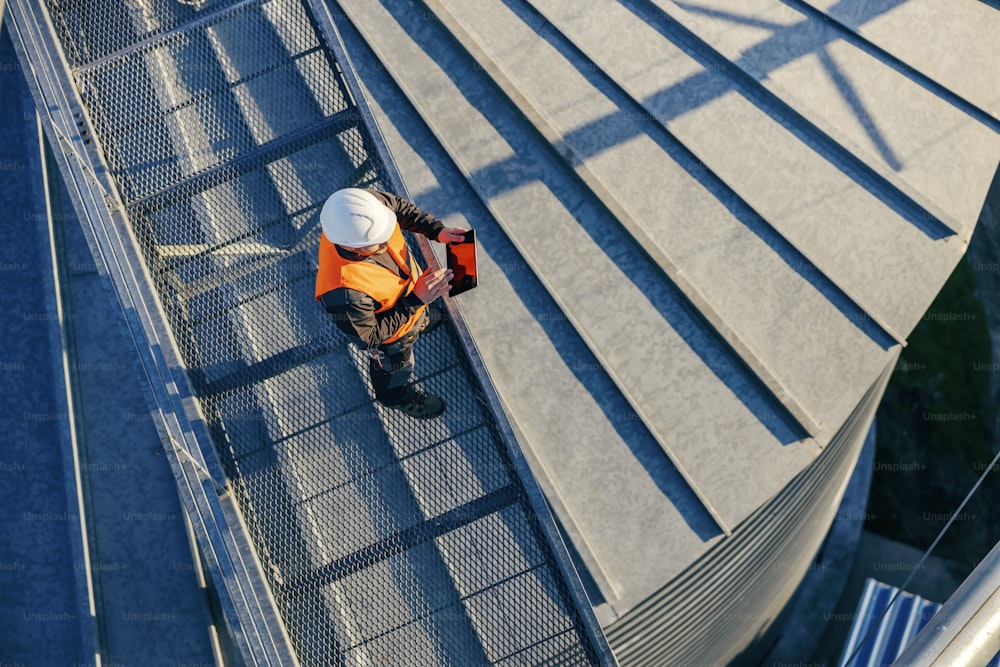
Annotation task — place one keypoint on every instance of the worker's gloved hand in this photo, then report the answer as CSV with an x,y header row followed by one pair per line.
x,y
432,284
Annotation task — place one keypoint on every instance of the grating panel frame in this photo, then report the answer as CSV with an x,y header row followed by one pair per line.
x,y
75,22
179,94
383,539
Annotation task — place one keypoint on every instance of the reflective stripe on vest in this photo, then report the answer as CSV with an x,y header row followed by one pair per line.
x,y
378,282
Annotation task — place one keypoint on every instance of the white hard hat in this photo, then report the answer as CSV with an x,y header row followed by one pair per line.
x,y
355,218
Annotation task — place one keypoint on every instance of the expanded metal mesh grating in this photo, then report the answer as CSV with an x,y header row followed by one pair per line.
x,y
385,540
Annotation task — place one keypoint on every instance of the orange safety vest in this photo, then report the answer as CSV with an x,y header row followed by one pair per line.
x,y
378,282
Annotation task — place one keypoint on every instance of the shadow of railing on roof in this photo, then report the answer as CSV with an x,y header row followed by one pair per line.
x,y
785,45
673,102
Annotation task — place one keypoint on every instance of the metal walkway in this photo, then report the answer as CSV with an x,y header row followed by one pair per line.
x,y
199,140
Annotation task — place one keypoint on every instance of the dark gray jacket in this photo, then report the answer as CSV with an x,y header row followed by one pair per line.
x,y
354,311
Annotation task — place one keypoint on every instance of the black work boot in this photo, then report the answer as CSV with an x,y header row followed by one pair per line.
x,y
420,404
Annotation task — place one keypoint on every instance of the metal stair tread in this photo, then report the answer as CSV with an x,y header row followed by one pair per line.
x,y
194,98
417,587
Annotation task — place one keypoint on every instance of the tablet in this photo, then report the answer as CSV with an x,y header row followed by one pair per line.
x,y
462,261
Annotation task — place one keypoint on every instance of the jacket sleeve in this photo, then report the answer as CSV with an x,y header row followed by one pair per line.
x,y
409,217
354,314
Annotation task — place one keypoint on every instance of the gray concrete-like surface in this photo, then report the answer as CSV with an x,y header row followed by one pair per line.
x,y
704,232
618,318
856,99
688,220
583,473
938,157
591,454
963,34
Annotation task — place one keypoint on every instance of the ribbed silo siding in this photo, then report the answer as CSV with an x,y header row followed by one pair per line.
x,y
696,619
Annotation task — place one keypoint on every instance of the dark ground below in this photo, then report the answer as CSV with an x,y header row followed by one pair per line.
x,y
935,433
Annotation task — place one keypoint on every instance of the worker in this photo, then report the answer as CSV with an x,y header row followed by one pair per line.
x,y
375,290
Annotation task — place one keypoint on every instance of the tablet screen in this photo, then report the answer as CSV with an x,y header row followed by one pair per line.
x,y
462,261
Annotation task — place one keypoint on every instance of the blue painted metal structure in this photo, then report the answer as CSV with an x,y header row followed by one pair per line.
x,y
198,142
880,632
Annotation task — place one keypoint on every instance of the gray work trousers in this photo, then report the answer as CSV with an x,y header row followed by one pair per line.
x,y
390,367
